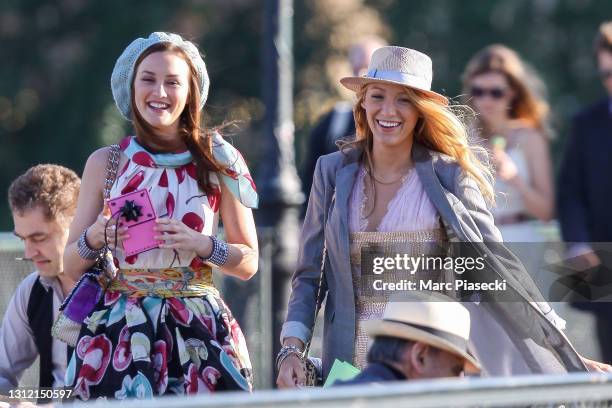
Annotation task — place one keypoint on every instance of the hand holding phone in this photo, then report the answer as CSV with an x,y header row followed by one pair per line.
x,y
135,211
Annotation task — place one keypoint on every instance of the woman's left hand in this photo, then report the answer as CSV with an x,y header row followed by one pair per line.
x,y
596,366
176,235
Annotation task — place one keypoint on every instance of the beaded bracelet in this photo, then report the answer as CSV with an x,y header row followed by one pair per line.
x,y
84,250
219,253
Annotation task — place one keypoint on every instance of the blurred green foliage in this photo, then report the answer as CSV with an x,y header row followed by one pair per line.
x,y
57,56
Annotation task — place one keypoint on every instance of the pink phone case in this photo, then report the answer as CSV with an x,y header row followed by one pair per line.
x,y
139,216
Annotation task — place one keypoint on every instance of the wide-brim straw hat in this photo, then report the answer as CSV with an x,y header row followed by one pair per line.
x,y
123,73
441,323
398,66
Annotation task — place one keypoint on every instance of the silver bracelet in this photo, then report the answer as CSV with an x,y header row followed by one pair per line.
x,y
219,253
285,352
85,251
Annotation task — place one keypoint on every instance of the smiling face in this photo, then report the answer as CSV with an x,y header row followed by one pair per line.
x,y
491,96
44,239
161,88
390,114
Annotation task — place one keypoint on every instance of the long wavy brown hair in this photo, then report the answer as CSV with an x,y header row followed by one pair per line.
x,y
439,128
197,139
528,106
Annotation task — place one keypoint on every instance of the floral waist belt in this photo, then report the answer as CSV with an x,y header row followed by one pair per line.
x,y
169,282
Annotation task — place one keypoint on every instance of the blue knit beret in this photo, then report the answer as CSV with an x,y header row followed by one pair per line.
x,y
123,73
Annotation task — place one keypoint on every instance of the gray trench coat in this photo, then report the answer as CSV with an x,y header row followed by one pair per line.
x,y
465,216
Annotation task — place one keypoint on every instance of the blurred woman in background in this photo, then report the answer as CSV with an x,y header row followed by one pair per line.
x,y
512,118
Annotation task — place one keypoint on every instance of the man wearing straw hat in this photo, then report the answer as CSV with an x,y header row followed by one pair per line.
x,y
418,337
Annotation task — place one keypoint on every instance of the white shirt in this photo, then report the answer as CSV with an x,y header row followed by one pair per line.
x,y
17,348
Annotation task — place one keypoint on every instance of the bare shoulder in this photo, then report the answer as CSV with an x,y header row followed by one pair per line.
x,y
96,168
535,145
98,159
529,138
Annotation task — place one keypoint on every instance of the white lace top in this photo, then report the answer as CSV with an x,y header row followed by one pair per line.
x,y
409,210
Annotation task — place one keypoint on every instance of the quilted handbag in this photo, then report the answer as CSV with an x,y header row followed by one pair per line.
x,y
91,287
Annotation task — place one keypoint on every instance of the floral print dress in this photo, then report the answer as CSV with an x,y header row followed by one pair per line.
x,y
137,344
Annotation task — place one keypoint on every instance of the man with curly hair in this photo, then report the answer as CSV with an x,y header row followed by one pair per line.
x,y
43,202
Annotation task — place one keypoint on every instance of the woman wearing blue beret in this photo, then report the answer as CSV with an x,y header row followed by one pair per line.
x,y
161,327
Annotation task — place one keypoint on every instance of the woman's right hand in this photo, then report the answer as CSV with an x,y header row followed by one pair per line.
x,y
291,373
95,232
506,169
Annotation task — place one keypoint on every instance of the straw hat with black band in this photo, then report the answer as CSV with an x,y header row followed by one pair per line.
x,y
438,322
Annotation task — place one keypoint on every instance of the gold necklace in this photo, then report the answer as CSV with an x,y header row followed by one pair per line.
x,y
385,183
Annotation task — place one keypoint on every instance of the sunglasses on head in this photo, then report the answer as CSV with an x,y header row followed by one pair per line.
x,y
495,93
605,74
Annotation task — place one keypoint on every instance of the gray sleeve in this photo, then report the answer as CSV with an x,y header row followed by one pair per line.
x,y
467,190
304,284
471,196
17,348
